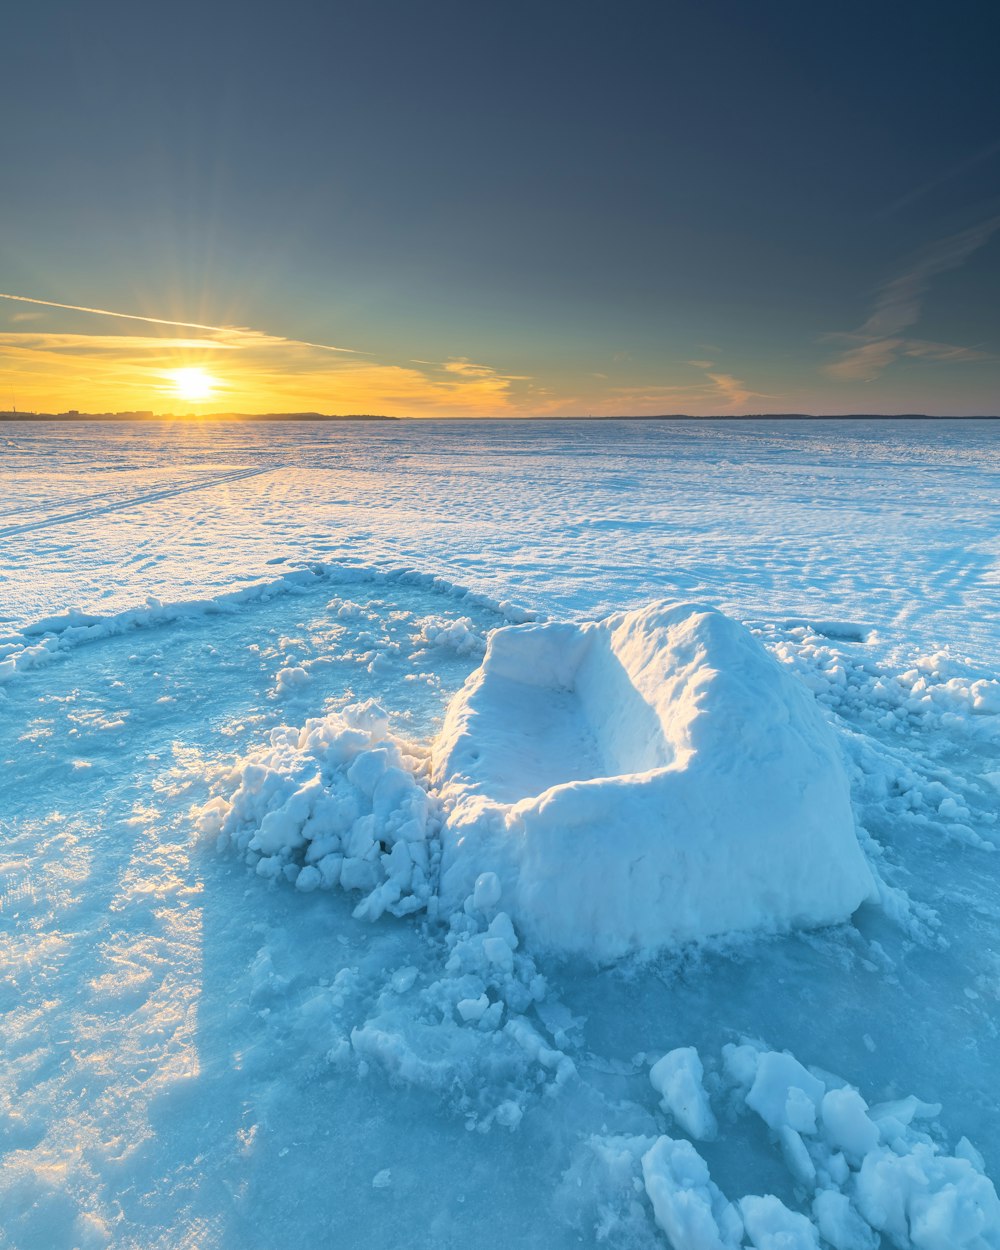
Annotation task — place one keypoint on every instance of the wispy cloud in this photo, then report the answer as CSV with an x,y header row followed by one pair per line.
x,y
881,339
26,316
734,393
239,335
731,392
897,304
467,369
865,362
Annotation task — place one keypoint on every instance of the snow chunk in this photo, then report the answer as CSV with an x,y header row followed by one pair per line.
x,y
770,1225
474,1031
847,1125
840,1224
867,1167
648,779
688,1206
403,978
486,893
291,679
929,1201
784,1093
740,1064
678,1078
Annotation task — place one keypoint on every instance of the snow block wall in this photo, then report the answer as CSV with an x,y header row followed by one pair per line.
x,y
645,780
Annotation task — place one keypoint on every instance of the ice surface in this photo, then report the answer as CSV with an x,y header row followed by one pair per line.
x,y
649,779
195,1055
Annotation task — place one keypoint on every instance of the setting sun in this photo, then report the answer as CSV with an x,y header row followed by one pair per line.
x,y
192,384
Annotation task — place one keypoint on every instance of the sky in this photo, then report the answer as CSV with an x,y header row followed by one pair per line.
x,y
467,209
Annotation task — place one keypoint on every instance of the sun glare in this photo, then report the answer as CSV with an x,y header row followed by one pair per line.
x,y
193,385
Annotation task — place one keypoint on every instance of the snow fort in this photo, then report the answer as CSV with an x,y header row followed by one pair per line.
x,y
645,780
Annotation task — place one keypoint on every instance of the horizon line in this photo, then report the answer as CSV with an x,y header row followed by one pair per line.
x,y
140,415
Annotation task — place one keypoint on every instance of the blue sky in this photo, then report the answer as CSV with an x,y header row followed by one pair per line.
x,y
548,207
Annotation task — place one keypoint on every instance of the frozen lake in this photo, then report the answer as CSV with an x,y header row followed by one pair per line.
x,y
195,1054
890,522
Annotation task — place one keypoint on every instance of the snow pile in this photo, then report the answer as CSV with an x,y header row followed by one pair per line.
x,y
335,803
290,680
648,779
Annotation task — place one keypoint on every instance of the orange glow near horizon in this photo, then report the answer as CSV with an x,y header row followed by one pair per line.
x,y
48,369
57,357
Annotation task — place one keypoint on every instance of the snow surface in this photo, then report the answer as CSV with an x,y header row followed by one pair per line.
x,y
215,635
854,524
689,786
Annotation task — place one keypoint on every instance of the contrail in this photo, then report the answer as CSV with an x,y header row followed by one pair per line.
x,y
269,339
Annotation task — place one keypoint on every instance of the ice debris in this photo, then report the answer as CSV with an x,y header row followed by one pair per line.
x,y
473,1033
862,1177
865,1171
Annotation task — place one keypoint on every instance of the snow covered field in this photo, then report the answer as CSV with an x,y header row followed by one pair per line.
x,y
220,1031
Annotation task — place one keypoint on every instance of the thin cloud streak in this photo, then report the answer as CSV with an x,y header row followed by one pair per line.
x,y
259,338
465,368
82,344
881,340
864,363
898,303
720,394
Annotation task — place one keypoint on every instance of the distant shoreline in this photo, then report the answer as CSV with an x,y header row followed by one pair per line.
x,y
152,418
192,416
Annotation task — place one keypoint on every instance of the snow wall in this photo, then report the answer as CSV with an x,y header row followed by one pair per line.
x,y
645,780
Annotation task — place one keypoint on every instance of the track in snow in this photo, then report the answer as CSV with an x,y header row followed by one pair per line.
x,y
65,518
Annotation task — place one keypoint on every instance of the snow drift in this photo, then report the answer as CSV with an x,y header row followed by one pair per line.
x,y
644,780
